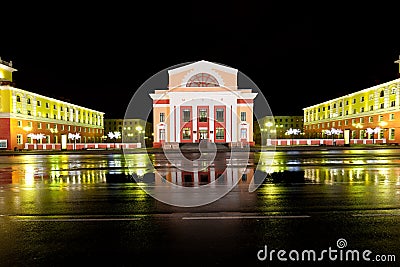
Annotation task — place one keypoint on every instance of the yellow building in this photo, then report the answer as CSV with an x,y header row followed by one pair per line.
x,y
371,113
30,118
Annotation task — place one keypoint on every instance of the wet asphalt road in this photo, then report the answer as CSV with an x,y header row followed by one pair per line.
x,y
63,210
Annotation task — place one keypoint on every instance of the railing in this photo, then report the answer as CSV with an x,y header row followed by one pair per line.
x,y
82,146
319,142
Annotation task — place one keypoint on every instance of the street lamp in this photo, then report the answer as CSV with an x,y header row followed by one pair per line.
x,y
268,124
292,132
373,132
140,131
114,135
74,137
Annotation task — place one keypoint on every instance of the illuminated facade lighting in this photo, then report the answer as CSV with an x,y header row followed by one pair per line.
x,y
203,102
25,115
376,106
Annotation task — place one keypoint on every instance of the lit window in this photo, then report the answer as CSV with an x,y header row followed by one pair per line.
x,y
203,115
220,133
186,133
202,80
19,139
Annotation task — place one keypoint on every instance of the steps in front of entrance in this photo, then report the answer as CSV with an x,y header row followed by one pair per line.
x,y
195,147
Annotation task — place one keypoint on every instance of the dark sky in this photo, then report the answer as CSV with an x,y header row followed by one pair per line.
x,y
98,55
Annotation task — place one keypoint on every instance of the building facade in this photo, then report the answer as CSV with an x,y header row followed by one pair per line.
x,y
279,126
30,118
131,130
203,102
371,113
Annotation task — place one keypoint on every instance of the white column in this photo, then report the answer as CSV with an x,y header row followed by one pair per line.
x,y
235,122
194,123
228,124
177,127
211,116
171,124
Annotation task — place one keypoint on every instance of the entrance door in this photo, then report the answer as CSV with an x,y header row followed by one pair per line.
x,y
203,135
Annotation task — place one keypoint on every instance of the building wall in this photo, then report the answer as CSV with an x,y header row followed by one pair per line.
x,y
24,112
215,89
377,106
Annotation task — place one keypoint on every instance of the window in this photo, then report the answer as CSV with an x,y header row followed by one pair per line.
x,y
391,134
18,98
371,119
371,108
340,104
382,105
371,97
362,99
380,118
202,115
38,103
47,105
48,126
29,113
391,116
39,125
30,124
186,133
220,114
219,133
347,112
28,101
347,102
243,116
162,134
334,105
393,103
162,117
202,80
243,133
361,120
186,115
19,123
362,109
393,90
354,100
19,139
382,94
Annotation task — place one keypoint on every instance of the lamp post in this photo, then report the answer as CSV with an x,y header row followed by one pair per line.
x,y
74,137
373,132
292,132
268,124
140,131
114,135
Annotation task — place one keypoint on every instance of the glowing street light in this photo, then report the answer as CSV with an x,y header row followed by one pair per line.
x,y
74,137
373,132
114,135
333,132
140,131
292,132
268,124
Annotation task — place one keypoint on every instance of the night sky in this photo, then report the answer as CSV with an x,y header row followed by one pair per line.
x,y
97,56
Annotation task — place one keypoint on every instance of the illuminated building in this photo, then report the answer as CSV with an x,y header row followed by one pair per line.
x,y
374,108
30,118
277,126
131,130
203,102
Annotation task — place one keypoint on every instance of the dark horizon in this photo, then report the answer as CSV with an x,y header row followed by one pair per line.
x,y
297,57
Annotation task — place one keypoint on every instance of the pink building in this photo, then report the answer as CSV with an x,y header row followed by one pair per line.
x,y
203,102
